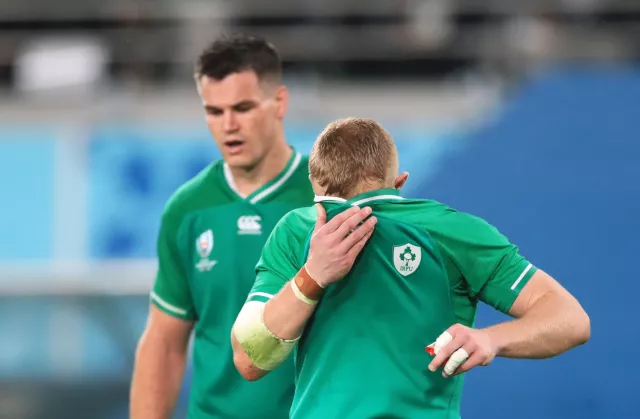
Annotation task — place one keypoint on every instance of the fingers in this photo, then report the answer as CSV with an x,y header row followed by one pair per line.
x,y
321,219
474,360
443,348
458,350
352,222
457,358
339,219
356,248
355,238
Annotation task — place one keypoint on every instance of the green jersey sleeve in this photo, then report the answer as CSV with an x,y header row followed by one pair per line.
x,y
492,267
281,258
171,289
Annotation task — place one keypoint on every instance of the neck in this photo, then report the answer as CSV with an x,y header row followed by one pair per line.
x,y
364,188
248,180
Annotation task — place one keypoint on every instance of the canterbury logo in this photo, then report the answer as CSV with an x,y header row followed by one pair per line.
x,y
249,224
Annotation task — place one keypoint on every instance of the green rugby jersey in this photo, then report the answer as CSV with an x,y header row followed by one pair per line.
x,y
210,240
362,354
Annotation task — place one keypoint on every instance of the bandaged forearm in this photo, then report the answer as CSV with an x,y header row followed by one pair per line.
x,y
265,350
268,332
287,313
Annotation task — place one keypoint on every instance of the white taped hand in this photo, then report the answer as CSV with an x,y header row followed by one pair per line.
x,y
455,360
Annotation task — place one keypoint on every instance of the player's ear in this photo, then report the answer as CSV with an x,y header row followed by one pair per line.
x,y
282,101
317,188
401,180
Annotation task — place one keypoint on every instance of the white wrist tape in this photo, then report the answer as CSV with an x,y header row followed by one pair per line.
x,y
266,350
300,296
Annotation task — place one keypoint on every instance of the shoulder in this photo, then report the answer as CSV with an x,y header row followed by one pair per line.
x,y
292,230
299,219
441,219
425,212
197,193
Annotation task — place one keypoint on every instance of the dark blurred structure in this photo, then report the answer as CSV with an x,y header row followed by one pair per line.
x,y
157,40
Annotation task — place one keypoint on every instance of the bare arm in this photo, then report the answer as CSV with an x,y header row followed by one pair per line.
x,y
549,321
159,366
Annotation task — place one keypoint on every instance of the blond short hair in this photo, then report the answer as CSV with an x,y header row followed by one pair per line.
x,y
350,152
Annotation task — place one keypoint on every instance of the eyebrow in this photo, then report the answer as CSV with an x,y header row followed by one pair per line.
x,y
244,102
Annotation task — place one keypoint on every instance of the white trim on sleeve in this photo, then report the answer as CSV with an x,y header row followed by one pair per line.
x,y
260,294
515,284
168,306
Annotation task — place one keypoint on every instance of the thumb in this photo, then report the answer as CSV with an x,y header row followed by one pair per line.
x,y
322,217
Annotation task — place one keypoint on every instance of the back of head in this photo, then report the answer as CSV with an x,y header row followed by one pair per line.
x,y
351,155
238,53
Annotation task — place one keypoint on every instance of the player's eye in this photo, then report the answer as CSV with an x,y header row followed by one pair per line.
x,y
213,111
244,107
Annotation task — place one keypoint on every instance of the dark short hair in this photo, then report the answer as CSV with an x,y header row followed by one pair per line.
x,y
237,53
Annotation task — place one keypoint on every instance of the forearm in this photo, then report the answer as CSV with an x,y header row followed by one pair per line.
x,y
156,383
285,315
553,325
264,334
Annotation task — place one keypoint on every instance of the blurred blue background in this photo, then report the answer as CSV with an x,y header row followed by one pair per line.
x,y
534,126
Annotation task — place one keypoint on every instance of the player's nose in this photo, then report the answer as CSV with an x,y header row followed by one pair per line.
x,y
230,122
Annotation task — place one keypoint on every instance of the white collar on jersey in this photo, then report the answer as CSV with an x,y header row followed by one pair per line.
x,y
321,198
283,176
229,178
